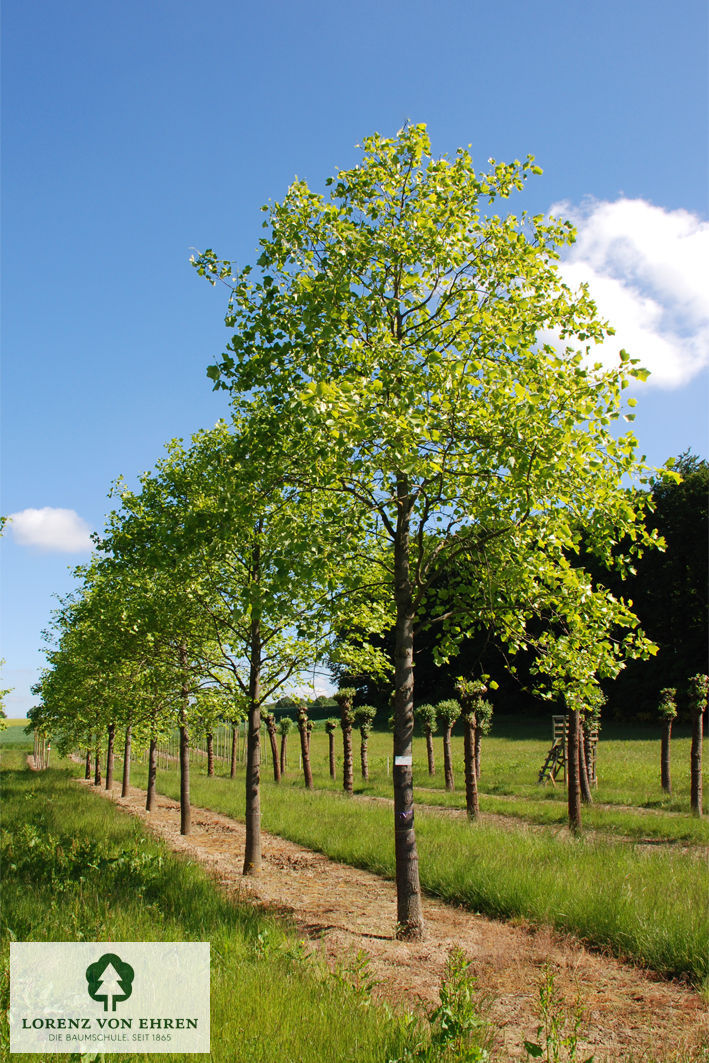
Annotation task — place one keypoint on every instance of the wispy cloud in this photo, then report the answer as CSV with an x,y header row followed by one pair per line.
x,y
51,530
647,271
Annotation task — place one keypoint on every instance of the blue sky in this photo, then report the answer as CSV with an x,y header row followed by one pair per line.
x,y
134,132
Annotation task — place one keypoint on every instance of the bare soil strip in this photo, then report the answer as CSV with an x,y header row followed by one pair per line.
x,y
339,910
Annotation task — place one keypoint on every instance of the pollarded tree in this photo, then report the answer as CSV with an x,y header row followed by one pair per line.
x,y
667,709
474,711
305,727
427,719
364,721
270,720
448,712
284,726
405,346
331,726
697,694
344,699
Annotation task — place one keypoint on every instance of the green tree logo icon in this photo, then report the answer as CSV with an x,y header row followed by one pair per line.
x,y
110,980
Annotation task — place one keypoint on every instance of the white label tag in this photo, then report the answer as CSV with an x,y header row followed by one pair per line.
x,y
403,762
112,996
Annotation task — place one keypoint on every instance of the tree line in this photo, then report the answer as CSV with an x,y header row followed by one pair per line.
x,y
413,391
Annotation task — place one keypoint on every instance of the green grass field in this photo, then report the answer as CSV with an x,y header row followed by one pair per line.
x,y
13,735
80,870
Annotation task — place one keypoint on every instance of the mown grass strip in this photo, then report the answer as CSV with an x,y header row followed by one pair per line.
x,y
649,907
76,868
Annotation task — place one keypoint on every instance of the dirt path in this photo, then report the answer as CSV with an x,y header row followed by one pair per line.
x,y
341,910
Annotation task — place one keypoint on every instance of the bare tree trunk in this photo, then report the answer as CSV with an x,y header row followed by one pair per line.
x,y
305,749
429,752
363,756
347,770
573,782
696,764
126,763
472,801
271,725
284,758
110,756
665,779
447,757
331,744
185,807
87,769
210,753
151,796
409,917
232,769
97,766
477,747
584,781
252,850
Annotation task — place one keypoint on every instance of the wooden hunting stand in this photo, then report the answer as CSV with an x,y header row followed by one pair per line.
x,y
556,757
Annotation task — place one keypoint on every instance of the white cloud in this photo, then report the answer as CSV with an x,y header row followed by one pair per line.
x,y
51,530
648,271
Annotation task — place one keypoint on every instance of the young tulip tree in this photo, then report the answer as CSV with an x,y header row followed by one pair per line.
x,y
404,345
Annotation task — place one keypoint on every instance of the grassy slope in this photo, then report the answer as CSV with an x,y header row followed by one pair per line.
x,y
80,870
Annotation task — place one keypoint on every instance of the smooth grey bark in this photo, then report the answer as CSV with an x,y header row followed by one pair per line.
x,y
232,769
252,849
271,728
126,762
472,800
584,781
665,777
409,912
151,795
110,755
695,760
429,752
573,781
185,806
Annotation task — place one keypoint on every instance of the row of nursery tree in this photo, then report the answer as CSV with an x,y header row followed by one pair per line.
x,y
413,391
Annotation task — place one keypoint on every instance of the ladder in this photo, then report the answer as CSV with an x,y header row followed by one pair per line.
x,y
556,757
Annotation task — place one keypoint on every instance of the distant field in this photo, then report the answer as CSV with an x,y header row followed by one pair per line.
x,y
14,737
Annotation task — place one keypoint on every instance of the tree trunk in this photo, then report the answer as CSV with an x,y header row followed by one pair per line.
x,y
271,725
363,757
477,746
126,763
409,917
305,752
284,758
110,756
210,753
151,795
347,769
232,769
252,850
696,763
331,743
447,758
665,780
573,782
472,801
97,766
429,752
185,808
584,781
87,769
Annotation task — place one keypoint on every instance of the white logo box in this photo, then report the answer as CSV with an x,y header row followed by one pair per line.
x,y
110,996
